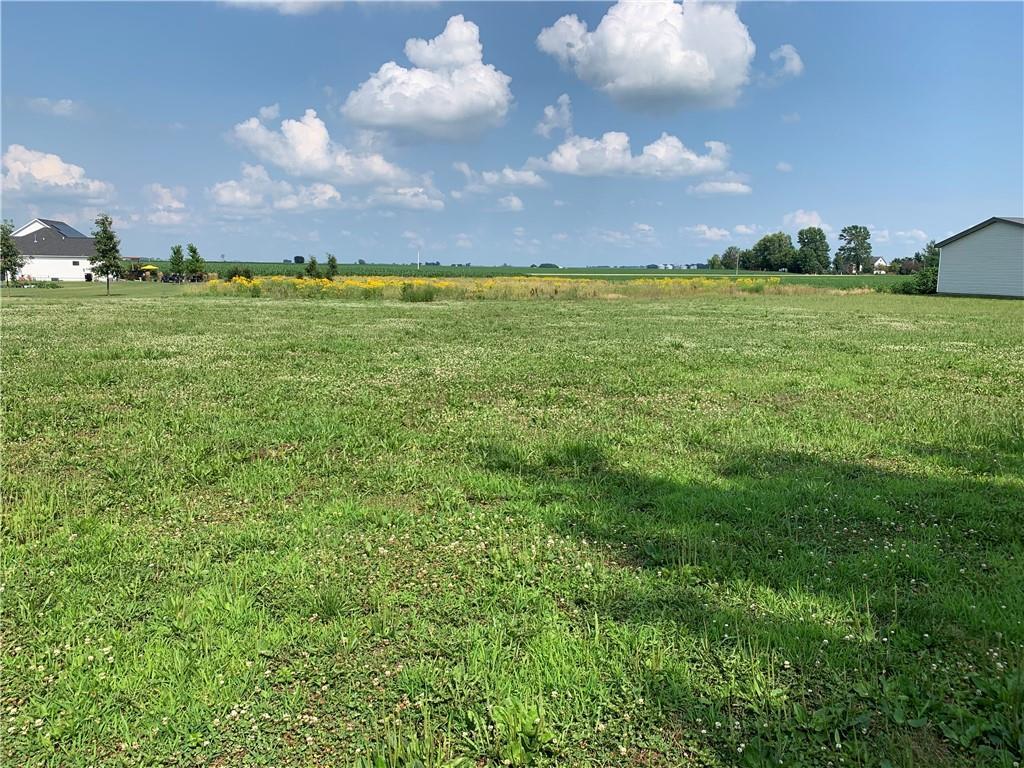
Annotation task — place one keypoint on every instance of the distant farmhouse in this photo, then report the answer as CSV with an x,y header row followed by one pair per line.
x,y
880,266
985,260
54,250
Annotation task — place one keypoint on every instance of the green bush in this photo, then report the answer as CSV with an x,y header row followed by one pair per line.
x,y
923,282
927,280
412,292
237,271
38,283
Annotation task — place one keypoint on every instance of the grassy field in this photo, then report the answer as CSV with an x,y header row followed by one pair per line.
x,y
709,531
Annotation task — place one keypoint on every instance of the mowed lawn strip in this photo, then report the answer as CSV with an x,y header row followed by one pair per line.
x,y
710,531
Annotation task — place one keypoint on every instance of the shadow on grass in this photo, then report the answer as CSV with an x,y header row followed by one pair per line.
x,y
866,578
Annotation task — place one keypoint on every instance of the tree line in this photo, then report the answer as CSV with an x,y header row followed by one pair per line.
x,y
776,252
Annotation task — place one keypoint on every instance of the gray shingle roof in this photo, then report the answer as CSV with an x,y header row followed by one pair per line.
x,y
65,229
49,243
1008,219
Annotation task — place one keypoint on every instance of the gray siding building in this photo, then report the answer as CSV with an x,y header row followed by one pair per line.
x,y
985,260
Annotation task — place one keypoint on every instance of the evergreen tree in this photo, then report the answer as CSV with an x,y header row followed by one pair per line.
x,y
106,260
312,268
929,257
332,265
177,261
194,265
927,279
854,255
11,260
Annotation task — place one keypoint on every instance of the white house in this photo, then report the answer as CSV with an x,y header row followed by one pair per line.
x,y
880,266
53,251
985,260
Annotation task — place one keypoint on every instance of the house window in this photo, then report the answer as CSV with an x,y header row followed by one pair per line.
x,y
74,263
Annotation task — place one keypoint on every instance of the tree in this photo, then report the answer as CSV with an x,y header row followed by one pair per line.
x,y
312,268
106,260
854,253
177,261
927,278
812,256
929,257
773,252
730,257
907,266
195,266
332,265
11,260
715,262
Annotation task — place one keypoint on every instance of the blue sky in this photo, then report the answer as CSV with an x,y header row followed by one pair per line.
x,y
193,122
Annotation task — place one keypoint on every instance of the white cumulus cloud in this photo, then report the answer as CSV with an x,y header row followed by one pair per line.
x,y
643,233
256,192
611,155
510,203
788,60
556,116
414,198
313,196
167,204
509,177
783,167
166,197
271,112
448,93
44,174
658,54
304,147
799,219
481,182
711,234
745,229
913,235
725,187
639,234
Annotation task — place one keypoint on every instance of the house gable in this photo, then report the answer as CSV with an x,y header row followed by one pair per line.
x,y
1016,221
46,237
61,228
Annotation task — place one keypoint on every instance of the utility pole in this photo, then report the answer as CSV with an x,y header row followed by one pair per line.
x,y
417,258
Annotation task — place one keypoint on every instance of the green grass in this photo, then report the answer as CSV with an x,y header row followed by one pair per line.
x,y
702,532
